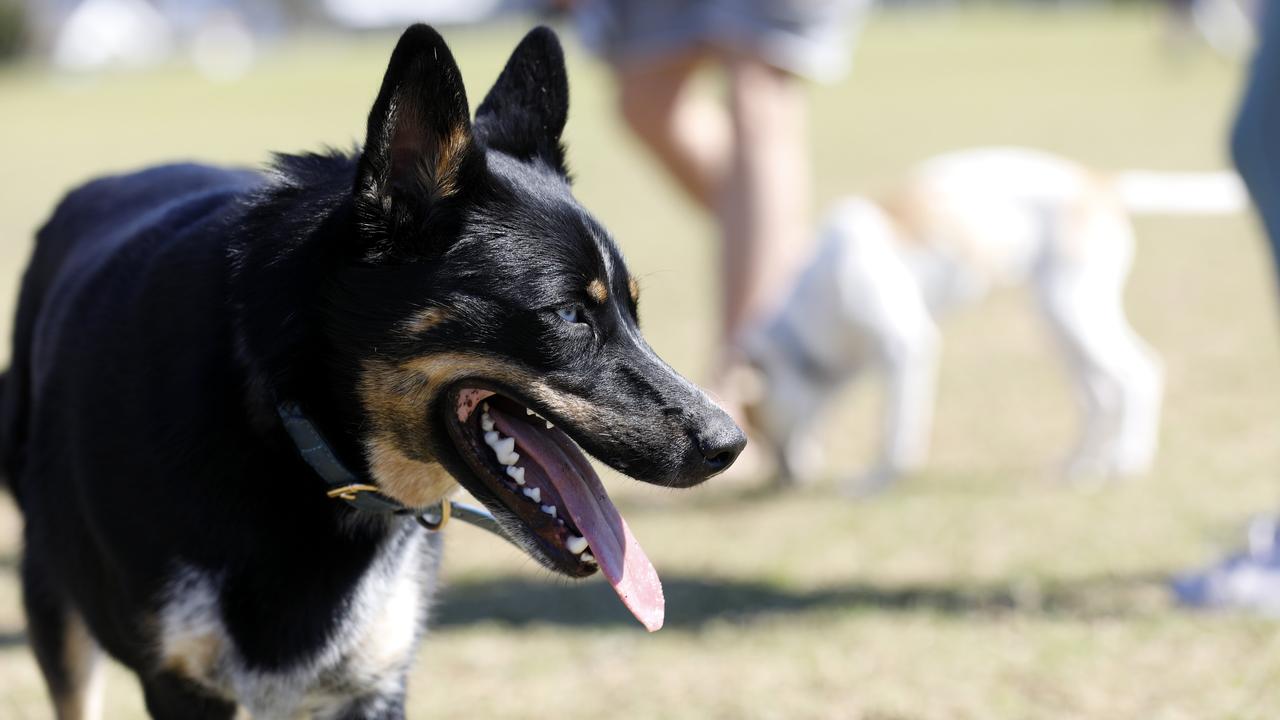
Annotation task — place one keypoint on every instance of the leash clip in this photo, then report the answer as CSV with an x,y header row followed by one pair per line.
x,y
436,524
349,492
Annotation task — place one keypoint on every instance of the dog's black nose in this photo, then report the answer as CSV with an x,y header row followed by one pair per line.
x,y
721,446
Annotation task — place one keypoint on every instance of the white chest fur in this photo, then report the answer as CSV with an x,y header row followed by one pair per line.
x,y
366,655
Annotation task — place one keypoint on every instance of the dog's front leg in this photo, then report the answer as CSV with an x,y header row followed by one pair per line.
x,y
910,363
171,697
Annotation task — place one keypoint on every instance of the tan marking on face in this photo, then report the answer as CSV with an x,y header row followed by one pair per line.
x,y
396,398
447,368
426,320
82,698
412,482
598,291
576,408
634,288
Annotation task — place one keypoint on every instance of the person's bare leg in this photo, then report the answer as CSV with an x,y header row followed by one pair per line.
x,y
688,131
764,211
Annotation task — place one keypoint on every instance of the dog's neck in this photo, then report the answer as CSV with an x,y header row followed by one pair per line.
x,y
278,289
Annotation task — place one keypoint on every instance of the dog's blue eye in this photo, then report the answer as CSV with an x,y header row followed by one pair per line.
x,y
568,313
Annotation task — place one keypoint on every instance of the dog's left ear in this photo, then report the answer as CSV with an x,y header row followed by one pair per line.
x,y
525,112
419,144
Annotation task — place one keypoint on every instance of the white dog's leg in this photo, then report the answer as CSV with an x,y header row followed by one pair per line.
x,y
1118,378
1125,382
1096,393
909,358
910,388
1140,374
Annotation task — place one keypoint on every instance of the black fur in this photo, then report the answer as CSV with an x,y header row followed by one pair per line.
x,y
166,312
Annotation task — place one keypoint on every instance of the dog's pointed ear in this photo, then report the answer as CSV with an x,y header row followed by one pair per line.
x,y
525,112
419,144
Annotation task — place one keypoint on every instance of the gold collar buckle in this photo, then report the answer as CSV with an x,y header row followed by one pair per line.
x,y
349,492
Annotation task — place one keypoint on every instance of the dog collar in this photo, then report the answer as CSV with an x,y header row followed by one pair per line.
x,y
801,356
346,486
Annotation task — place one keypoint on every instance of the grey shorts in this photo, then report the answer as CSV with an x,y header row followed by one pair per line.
x,y
806,37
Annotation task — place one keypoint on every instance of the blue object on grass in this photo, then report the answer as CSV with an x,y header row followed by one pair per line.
x,y
1248,580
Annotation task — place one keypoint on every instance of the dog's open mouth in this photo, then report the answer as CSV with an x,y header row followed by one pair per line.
x,y
540,476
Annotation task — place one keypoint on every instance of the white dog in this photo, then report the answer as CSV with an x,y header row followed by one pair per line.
x,y
884,273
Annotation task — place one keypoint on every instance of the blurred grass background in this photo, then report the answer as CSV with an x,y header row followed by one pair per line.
x,y
978,589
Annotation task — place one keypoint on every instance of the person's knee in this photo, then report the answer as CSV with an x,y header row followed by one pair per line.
x,y
646,113
768,102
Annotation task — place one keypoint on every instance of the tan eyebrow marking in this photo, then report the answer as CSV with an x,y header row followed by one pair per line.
x,y
425,320
597,291
634,288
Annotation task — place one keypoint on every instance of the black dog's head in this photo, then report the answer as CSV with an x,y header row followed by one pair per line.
x,y
490,322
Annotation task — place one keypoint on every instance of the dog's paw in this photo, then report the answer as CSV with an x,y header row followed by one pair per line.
x,y
800,462
868,484
1089,474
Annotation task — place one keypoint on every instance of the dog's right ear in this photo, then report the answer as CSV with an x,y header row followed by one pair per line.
x,y
525,112
419,144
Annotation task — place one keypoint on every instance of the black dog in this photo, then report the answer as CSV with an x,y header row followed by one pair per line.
x,y
418,302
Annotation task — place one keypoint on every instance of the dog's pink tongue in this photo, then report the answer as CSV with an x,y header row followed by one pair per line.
x,y
616,550
619,553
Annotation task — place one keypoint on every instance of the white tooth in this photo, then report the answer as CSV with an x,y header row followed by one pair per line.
x,y
549,509
549,425
504,446
486,422
491,437
516,473
588,557
576,544
529,411
534,494
509,458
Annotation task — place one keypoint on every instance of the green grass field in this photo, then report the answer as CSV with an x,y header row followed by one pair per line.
x,y
979,589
